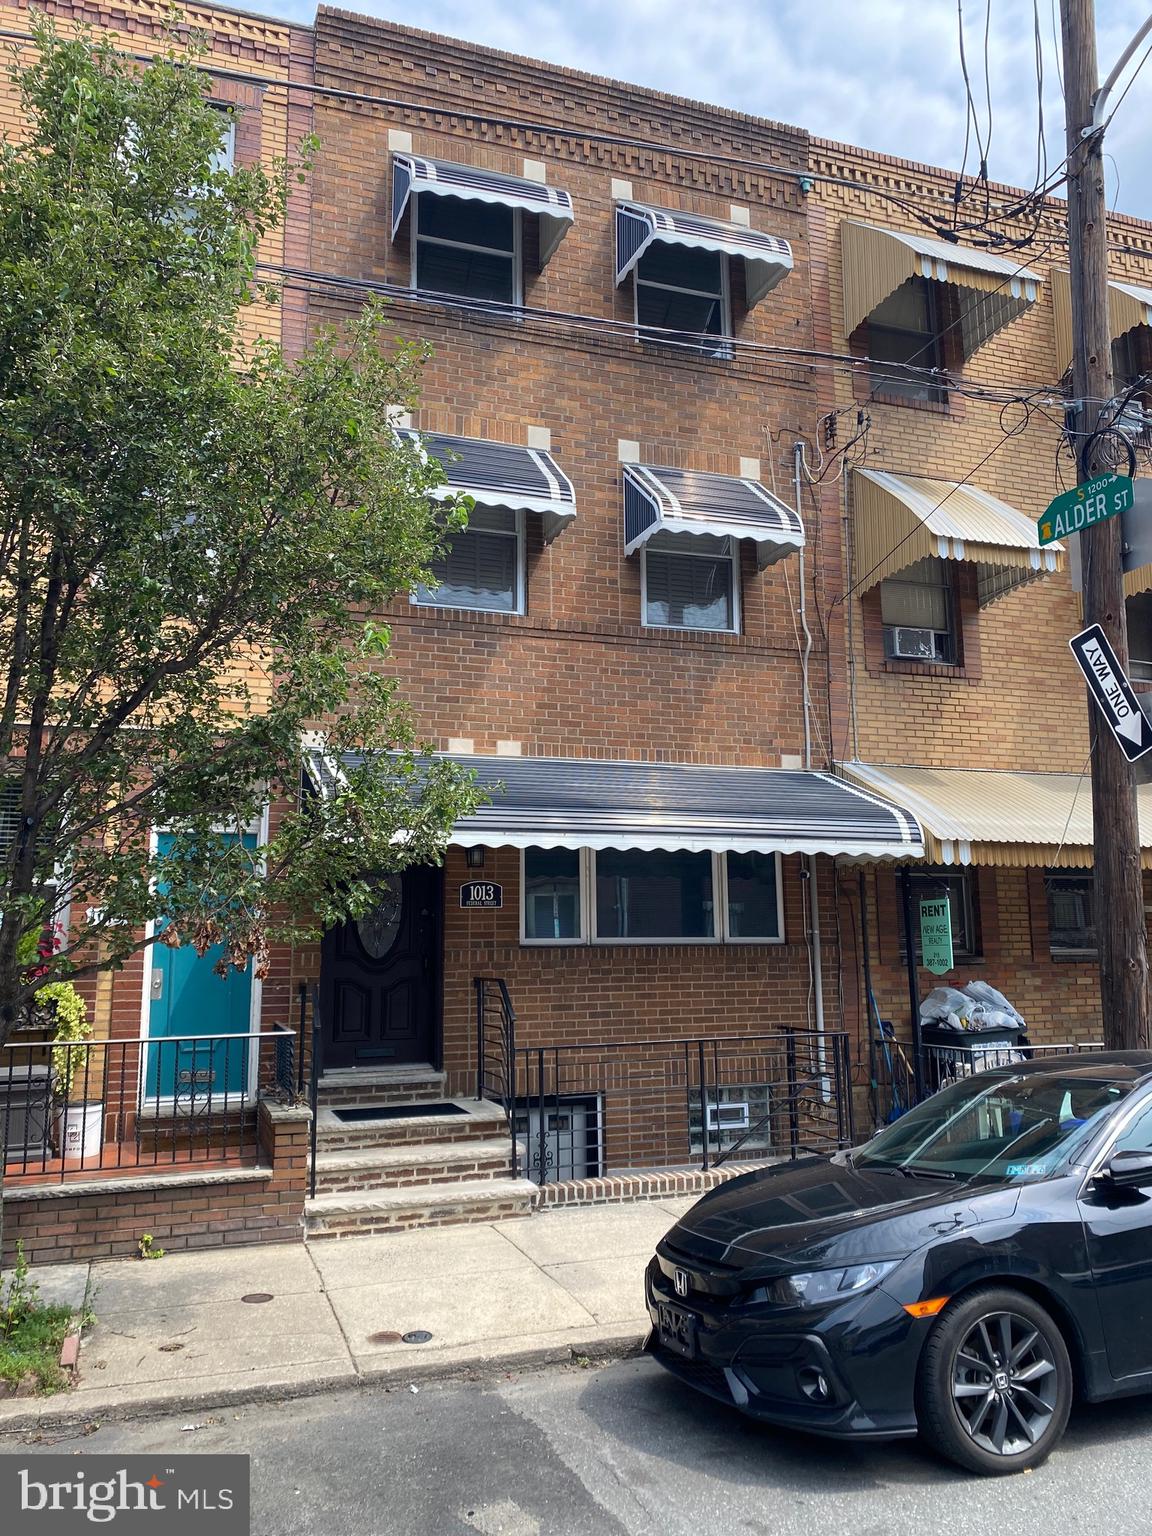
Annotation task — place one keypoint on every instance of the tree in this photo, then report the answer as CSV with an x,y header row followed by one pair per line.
x,y
195,546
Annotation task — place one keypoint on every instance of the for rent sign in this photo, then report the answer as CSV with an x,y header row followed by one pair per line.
x,y
936,934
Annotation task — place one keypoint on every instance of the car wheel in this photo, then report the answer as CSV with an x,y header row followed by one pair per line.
x,y
995,1383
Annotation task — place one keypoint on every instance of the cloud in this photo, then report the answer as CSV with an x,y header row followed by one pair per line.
x,y
883,74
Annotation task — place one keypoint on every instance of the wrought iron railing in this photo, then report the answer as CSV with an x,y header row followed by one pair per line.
x,y
893,1076
496,1052
75,1109
587,1108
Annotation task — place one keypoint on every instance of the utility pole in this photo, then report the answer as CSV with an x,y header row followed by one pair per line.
x,y
1118,893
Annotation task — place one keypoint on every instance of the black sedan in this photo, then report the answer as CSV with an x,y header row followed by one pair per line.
x,y
959,1276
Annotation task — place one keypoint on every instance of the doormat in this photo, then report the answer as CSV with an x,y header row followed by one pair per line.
x,y
398,1112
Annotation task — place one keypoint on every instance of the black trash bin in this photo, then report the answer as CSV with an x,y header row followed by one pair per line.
x,y
953,1053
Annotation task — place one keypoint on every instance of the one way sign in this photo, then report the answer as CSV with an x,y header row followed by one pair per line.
x,y
1112,691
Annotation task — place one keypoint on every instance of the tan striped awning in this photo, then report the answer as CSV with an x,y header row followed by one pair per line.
x,y
993,290
1011,820
1128,306
900,519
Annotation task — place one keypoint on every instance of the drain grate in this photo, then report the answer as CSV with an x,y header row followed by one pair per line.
x,y
397,1112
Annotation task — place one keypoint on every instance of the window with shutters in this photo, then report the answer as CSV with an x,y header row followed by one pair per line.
x,y
483,567
690,581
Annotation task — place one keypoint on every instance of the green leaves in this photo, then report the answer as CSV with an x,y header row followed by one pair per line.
x,y
196,547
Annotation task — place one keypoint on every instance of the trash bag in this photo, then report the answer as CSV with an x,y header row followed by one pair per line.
x,y
948,1008
996,1009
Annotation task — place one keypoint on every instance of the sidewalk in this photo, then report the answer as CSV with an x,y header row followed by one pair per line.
x,y
177,1334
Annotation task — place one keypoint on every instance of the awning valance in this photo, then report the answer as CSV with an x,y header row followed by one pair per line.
x,y
989,817
900,519
560,802
992,290
767,259
1128,306
501,475
412,175
658,499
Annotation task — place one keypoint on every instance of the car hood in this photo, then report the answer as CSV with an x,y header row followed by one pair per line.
x,y
817,1211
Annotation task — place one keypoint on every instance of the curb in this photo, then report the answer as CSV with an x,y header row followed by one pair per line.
x,y
463,1363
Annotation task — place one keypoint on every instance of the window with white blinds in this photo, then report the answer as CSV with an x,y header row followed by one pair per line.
x,y
689,582
484,566
9,813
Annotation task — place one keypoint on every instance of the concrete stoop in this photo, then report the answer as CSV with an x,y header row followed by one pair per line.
x,y
420,1169
431,1205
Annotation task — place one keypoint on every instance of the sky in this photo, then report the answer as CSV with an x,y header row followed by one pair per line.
x,y
883,74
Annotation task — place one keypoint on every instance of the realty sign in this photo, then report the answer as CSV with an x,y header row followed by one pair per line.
x,y
1112,691
936,934
1093,502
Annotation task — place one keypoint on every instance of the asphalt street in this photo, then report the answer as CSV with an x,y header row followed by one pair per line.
x,y
622,1450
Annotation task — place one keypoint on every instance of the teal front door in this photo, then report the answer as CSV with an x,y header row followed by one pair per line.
x,y
188,1005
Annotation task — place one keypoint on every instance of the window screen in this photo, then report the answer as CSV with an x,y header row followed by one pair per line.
x,y
753,896
689,581
482,567
680,294
1071,914
552,893
905,329
467,248
654,895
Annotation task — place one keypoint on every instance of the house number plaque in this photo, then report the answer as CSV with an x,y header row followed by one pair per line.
x,y
482,893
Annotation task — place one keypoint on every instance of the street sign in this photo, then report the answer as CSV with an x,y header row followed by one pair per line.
x,y
1093,502
936,934
1112,691
485,894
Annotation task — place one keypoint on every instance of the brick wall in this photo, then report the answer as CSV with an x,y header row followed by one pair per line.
x,y
106,1221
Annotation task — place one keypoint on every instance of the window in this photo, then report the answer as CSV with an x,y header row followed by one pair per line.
x,y
917,612
654,895
629,896
1139,611
960,890
682,294
753,904
1071,916
906,329
690,581
483,567
467,248
552,897
224,158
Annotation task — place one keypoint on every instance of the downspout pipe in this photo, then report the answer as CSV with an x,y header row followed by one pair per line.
x,y
815,952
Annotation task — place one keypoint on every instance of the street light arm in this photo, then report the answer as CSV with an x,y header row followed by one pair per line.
x,y
1100,100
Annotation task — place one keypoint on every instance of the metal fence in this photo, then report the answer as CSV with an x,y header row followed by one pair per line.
x,y
586,1108
893,1076
99,1106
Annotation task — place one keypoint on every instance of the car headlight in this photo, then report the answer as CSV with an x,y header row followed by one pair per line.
x,y
820,1286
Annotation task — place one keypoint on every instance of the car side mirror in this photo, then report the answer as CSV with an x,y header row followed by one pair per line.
x,y
1126,1170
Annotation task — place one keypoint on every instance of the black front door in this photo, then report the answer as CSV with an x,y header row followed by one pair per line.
x,y
379,994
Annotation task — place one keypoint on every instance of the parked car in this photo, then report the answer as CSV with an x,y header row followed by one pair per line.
x,y
961,1275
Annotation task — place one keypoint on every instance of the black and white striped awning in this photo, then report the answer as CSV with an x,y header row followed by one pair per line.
x,y
660,499
501,475
767,259
560,802
412,175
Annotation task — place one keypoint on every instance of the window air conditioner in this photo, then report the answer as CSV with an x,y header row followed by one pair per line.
x,y
917,644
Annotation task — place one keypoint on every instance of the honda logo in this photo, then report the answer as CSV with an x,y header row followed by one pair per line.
x,y
681,1281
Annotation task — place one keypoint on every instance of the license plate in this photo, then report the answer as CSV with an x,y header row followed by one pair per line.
x,y
677,1330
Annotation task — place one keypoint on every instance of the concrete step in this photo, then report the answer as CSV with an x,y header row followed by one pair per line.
x,y
479,1120
433,1205
348,1086
444,1162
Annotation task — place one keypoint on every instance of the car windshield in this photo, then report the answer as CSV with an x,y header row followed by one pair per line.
x,y
995,1126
